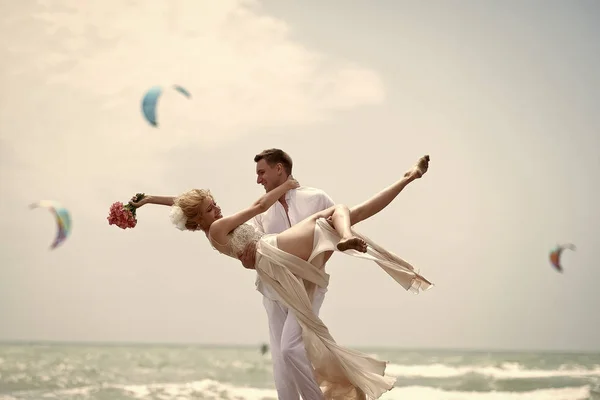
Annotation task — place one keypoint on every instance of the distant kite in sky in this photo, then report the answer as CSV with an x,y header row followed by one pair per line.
x,y
63,220
556,253
150,101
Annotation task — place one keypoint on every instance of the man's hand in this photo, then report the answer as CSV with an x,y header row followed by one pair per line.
x,y
248,256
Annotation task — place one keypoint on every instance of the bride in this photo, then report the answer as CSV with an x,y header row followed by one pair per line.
x,y
290,262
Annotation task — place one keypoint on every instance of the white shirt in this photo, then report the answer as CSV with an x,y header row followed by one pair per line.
x,y
302,203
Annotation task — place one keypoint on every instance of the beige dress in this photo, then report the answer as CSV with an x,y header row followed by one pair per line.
x,y
342,373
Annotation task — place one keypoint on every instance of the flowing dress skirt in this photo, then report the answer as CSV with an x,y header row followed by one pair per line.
x,y
342,373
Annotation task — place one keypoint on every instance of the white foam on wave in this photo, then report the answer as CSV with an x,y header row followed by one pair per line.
x,y
237,364
215,390
206,388
428,393
505,371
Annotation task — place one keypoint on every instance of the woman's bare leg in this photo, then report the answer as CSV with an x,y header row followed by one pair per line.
x,y
343,218
382,199
298,240
341,222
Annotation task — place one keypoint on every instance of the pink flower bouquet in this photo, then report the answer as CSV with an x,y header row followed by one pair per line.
x,y
123,216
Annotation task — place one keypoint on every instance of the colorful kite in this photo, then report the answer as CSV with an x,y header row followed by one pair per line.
x,y
63,220
556,253
150,101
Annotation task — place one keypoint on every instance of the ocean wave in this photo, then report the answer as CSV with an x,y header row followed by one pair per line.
x,y
504,371
206,388
223,391
428,393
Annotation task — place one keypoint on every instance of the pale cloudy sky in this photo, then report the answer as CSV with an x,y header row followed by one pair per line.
x,y
502,95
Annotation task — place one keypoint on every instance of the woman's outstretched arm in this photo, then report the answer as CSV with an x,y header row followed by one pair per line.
x,y
149,199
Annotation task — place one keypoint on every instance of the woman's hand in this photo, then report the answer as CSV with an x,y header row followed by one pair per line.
x,y
141,202
292,183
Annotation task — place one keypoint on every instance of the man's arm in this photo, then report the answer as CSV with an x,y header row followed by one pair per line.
x,y
248,256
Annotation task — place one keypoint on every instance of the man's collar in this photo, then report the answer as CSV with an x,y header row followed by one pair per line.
x,y
288,194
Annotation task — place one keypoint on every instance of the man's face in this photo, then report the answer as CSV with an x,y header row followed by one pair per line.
x,y
269,177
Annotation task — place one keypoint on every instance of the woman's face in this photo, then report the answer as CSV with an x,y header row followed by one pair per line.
x,y
210,212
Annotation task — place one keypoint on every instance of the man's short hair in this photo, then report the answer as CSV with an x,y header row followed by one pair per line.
x,y
274,157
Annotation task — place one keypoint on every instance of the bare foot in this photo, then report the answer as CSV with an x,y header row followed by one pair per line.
x,y
419,169
354,243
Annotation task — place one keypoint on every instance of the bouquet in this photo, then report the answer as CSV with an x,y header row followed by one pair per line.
x,y
124,215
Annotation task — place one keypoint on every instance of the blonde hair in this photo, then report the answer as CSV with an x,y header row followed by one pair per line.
x,y
190,203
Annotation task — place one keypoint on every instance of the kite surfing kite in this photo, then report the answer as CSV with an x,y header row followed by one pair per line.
x,y
63,220
556,253
150,100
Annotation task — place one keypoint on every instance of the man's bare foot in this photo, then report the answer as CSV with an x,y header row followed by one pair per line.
x,y
419,169
354,243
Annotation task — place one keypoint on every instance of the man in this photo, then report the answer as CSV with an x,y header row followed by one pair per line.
x,y
292,371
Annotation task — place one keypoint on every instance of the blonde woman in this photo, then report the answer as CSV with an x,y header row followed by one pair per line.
x,y
289,262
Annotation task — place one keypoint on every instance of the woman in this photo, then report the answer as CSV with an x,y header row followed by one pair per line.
x,y
290,262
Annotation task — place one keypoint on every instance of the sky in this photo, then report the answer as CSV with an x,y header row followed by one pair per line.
x,y
503,96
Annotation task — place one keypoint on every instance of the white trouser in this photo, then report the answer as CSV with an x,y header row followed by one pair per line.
x,y
292,371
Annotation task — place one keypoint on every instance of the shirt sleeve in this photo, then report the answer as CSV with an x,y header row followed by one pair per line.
x,y
327,201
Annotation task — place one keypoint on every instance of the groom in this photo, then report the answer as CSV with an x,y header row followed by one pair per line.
x,y
293,372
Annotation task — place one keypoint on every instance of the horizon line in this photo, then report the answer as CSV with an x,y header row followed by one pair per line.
x,y
116,343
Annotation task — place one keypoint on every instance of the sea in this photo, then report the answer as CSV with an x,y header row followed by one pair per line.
x,y
181,372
